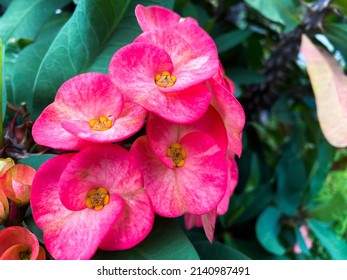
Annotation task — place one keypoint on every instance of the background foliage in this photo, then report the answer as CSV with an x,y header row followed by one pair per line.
x,y
289,174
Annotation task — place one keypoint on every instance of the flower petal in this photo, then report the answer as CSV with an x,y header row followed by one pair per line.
x,y
83,230
193,188
232,114
17,235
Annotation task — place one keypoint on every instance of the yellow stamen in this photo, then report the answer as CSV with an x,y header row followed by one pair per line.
x,y
97,198
177,154
165,79
101,123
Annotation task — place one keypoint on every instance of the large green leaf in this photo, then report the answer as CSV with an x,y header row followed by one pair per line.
x,y
217,251
166,242
2,94
281,11
31,57
23,18
336,247
267,230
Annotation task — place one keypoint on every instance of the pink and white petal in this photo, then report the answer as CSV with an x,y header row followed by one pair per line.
x,y
109,166
181,107
68,234
47,130
203,178
134,224
159,181
15,235
232,114
155,17
192,188
90,95
209,223
233,177
44,199
79,234
193,53
133,69
162,133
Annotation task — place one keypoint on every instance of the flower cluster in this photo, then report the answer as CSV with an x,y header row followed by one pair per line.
x,y
104,196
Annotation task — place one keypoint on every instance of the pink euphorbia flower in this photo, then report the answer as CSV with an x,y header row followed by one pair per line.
x,y
155,17
89,200
208,220
16,182
184,168
87,109
308,241
165,71
231,112
18,243
4,207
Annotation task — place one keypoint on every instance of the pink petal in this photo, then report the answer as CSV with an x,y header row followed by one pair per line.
x,y
160,132
196,188
233,177
192,51
133,226
232,114
47,130
108,166
83,229
128,123
17,235
153,17
90,95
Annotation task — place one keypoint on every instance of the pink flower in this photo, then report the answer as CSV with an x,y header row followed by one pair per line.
x,y
87,109
184,169
165,71
208,220
16,182
155,17
89,200
18,243
308,242
231,112
4,207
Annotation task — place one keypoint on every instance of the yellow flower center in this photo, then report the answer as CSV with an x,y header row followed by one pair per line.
x,y
165,79
101,123
25,255
177,154
97,198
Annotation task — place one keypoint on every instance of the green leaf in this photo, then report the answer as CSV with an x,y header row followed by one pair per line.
x,y
267,230
321,167
280,11
23,18
336,247
217,251
31,57
329,210
166,242
36,161
291,182
231,39
337,33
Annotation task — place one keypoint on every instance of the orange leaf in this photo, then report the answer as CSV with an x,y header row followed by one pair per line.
x,y
330,89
